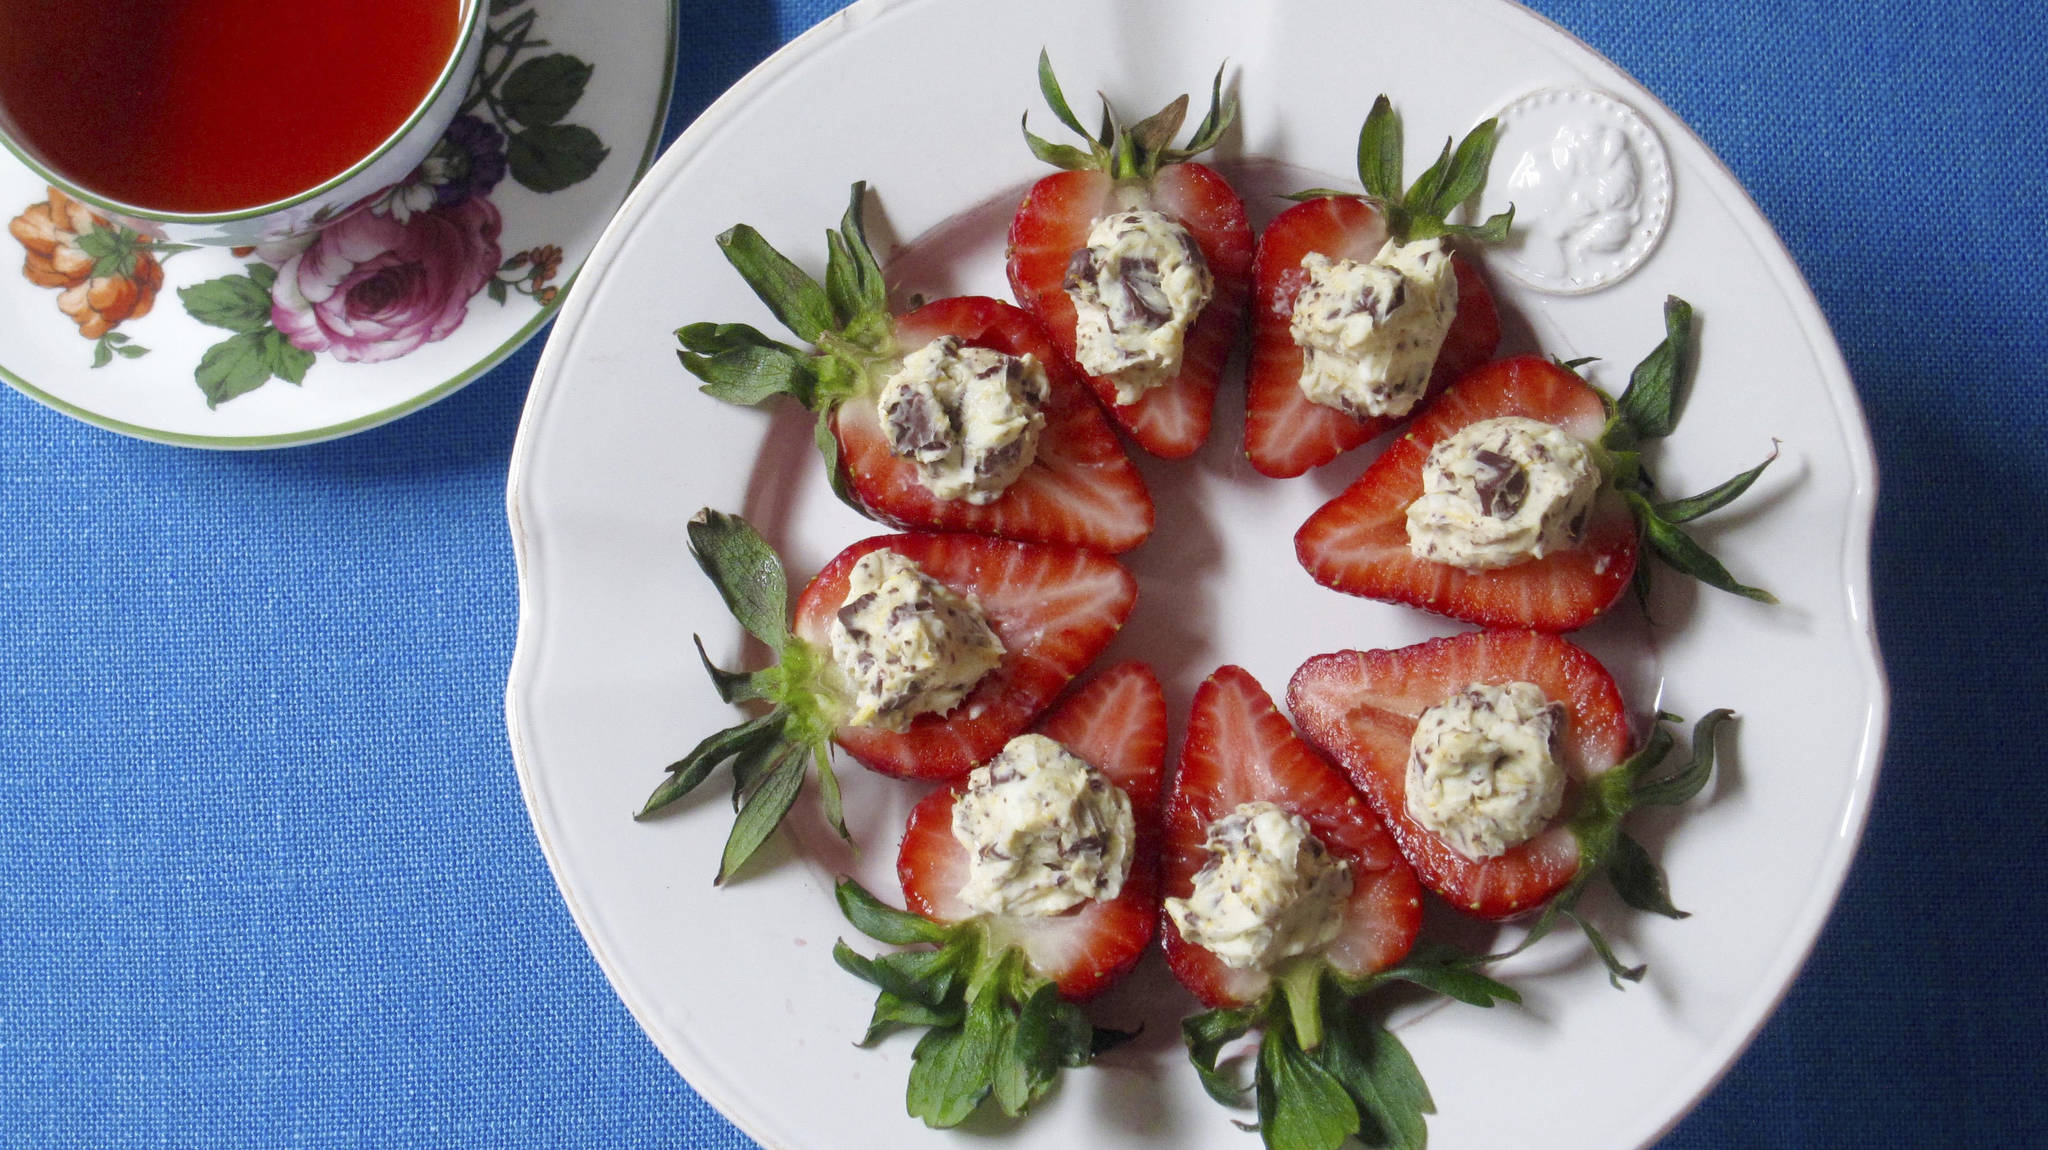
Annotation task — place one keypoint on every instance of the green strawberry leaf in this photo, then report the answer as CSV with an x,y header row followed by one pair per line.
x,y
740,365
1379,152
853,279
1422,194
1657,388
1065,157
1206,1035
1155,133
1617,972
893,1014
953,1068
1689,779
1682,552
1638,879
1715,498
1302,1106
761,814
732,686
746,572
1039,1040
1466,172
1386,1089
688,772
798,301
1221,113
882,922
753,766
1447,971
1049,87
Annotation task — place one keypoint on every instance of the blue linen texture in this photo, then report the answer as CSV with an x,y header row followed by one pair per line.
x,y
265,878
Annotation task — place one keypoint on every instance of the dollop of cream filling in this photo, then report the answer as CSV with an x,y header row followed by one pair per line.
x,y
1044,831
907,644
1370,332
1483,774
968,417
1137,288
1500,492
1270,890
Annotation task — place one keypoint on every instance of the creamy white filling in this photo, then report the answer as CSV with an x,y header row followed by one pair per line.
x,y
968,417
1370,332
1269,891
1483,774
1137,288
907,644
1501,492
1044,831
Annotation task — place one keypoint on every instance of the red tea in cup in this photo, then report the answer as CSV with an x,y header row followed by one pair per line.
x,y
206,106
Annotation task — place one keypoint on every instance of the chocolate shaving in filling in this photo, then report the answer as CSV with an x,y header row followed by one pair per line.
x,y
1502,487
917,426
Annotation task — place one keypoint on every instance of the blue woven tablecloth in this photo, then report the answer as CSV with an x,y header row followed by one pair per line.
x,y
265,878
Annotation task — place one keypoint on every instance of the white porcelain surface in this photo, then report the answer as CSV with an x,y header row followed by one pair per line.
x,y
737,986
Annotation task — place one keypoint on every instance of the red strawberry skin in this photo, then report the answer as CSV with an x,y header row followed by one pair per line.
x,y
1117,722
1240,749
1361,707
1285,434
1171,420
1081,490
1358,542
1055,608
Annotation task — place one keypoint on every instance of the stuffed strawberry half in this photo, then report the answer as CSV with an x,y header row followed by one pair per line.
x,y
1501,762
1036,881
1360,311
1518,498
1285,900
920,654
960,415
1138,261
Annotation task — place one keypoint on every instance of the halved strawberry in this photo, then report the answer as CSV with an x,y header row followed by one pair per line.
x,y
1321,1064
1286,433
998,967
1358,542
1362,708
1080,488
1125,169
1117,723
1053,608
1240,749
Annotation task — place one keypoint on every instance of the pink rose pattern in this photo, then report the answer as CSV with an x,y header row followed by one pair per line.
x,y
372,287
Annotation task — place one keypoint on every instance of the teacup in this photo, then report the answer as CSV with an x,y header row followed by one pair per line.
x,y
328,111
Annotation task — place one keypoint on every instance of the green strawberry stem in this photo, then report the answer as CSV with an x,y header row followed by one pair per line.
x,y
1134,153
846,320
1607,850
770,753
995,1030
1423,211
1649,410
1325,1072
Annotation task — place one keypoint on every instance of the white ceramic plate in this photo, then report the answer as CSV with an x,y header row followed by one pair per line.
x,y
184,346
921,98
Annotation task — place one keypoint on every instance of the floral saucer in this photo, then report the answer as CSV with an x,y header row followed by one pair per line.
x,y
416,291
